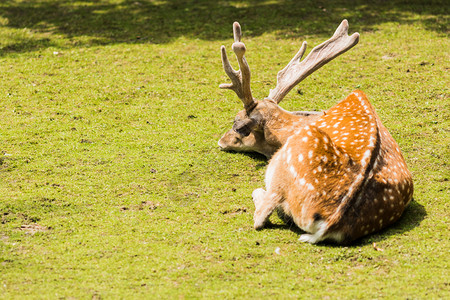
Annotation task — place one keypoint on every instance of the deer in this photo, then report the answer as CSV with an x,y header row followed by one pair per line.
x,y
338,175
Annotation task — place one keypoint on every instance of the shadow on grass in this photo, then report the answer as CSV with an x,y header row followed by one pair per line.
x,y
93,22
411,218
261,159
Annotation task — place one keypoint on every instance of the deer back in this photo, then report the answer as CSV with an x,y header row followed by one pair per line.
x,y
346,171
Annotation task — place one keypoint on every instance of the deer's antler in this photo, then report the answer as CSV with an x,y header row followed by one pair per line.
x,y
298,70
240,79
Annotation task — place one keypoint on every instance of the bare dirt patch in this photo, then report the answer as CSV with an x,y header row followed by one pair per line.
x,y
33,228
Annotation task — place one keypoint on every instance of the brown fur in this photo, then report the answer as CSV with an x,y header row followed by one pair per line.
x,y
274,127
338,175
339,178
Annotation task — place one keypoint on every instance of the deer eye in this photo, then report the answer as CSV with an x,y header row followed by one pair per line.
x,y
245,127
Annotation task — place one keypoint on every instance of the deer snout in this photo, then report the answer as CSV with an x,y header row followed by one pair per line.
x,y
230,141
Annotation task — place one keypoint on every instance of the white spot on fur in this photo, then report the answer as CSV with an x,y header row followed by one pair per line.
x,y
293,171
365,157
359,177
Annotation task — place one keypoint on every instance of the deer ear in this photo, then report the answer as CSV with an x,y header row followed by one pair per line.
x,y
244,127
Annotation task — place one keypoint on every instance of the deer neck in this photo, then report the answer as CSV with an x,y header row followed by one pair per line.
x,y
281,124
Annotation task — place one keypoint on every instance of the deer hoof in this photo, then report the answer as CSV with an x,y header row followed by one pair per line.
x,y
307,238
258,225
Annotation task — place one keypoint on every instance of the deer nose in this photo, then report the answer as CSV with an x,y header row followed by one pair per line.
x,y
221,145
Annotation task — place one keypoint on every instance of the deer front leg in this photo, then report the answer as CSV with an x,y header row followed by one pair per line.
x,y
265,204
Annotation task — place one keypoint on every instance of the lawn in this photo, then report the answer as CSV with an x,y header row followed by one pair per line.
x,y
111,181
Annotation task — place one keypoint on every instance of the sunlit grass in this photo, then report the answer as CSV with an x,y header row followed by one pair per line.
x,y
111,181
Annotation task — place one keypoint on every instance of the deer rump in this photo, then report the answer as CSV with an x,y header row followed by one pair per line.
x,y
339,178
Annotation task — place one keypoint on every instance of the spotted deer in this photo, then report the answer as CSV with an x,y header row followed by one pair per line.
x,y
263,126
338,176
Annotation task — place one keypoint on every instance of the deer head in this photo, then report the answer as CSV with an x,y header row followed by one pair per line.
x,y
338,178
263,126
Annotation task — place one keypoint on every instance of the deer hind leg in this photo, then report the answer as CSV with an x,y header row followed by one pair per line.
x,y
320,227
265,204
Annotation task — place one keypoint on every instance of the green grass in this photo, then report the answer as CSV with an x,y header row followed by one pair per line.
x,y
111,181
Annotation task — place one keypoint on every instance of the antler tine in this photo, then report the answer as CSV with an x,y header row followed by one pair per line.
x,y
237,33
240,80
232,74
296,71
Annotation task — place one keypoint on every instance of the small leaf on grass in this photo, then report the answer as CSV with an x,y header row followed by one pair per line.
x,y
377,248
